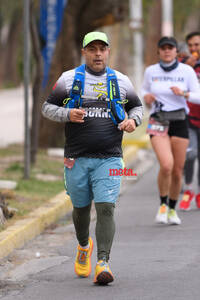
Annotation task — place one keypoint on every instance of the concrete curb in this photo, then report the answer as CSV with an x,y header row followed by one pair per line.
x,y
26,229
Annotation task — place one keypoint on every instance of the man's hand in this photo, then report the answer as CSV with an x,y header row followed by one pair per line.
x,y
127,125
77,115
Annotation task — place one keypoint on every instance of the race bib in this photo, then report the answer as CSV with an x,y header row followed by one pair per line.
x,y
157,128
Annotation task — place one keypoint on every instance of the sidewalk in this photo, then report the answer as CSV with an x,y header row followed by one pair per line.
x,y
24,230
12,115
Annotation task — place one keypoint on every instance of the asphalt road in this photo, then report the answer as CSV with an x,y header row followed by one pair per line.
x,y
149,261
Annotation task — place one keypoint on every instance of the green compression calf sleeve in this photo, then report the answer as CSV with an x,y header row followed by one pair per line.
x,y
81,219
105,229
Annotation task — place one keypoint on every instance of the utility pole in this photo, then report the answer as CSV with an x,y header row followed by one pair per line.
x,y
137,38
26,88
167,18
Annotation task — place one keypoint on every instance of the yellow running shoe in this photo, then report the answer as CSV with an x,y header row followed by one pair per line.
x,y
103,274
82,264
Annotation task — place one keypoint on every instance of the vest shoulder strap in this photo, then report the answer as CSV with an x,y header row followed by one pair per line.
x,y
78,85
112,85
115,104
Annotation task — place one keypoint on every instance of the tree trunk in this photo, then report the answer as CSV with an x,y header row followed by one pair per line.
x,y
37,83
10,52
153,32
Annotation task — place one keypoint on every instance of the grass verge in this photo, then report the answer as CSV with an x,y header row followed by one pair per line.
x,y
46,180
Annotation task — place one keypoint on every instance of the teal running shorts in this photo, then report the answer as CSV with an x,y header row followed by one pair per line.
x,y
89,179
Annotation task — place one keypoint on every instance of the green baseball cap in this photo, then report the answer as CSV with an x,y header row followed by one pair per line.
x,y
94,36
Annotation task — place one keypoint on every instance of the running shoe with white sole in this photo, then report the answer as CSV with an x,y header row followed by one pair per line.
x,y
186,201
173,218
161,217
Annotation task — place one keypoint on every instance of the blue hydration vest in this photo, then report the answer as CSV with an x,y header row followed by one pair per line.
x,y
115,104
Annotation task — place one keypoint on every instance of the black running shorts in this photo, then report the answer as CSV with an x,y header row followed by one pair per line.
x,y
178,128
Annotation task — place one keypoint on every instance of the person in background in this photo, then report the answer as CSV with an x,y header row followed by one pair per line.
x,y
92,100
193,150
167,86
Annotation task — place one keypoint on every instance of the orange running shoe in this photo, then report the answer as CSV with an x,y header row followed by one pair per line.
x,y
82,264
103,274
